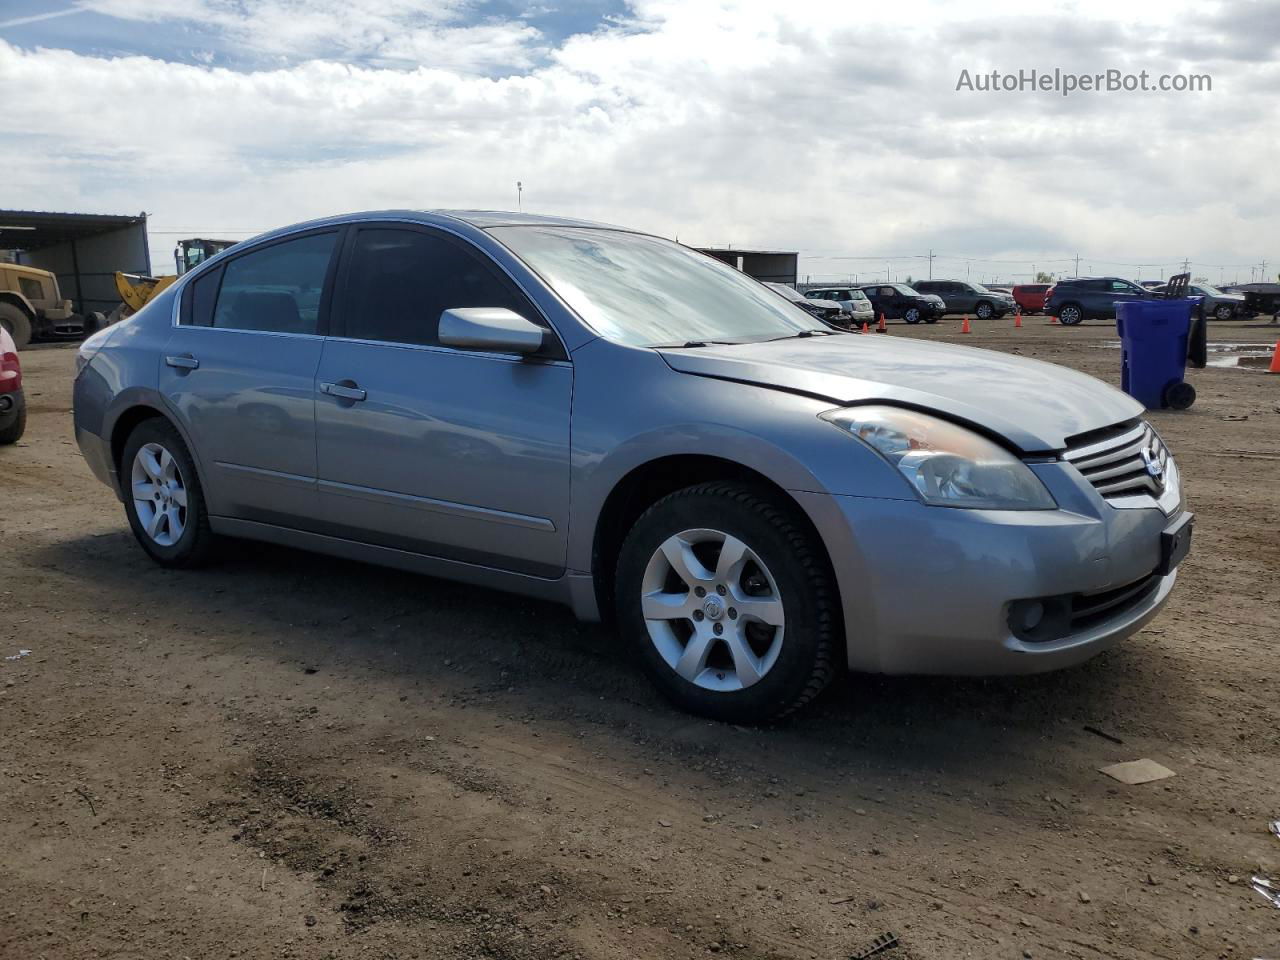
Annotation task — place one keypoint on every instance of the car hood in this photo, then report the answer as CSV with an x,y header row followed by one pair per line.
x,y
1034,406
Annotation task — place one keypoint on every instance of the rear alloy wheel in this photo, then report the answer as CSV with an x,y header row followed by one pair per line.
x,y
1222,312
983,311
911,315
163,499
1070,314
729,603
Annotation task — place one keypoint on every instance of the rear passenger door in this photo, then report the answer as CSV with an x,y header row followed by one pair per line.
x,y
239,373
454,453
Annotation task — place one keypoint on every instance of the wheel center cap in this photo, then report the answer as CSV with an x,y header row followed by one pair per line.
x,y
713,608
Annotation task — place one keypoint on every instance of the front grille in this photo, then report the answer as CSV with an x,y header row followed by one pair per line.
x,y
1089,609
1122,461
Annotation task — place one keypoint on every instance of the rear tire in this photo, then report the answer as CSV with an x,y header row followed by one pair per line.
x,y
15,320
1070,314
772,596
14,431
163,498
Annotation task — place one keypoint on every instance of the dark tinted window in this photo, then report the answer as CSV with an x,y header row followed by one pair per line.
x,y
200,297
276,289
400,282
31,288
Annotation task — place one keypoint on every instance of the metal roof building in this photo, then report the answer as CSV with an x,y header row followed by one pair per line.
x,y
773,266
84,250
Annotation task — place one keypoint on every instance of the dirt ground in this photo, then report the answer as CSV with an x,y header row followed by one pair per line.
x,y
292,756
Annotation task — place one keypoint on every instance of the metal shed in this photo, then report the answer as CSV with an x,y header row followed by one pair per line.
x,y
84,250
773,266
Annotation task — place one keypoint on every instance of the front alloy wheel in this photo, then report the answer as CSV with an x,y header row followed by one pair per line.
x,y
725,594
984,311
911,315
712,610
1223,312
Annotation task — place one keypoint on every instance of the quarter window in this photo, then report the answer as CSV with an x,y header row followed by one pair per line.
x,y
400,281
276,289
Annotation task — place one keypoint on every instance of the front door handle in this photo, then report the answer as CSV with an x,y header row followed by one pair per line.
x,y
184,362
343,390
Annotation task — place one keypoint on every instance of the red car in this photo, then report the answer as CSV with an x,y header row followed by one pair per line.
x,y
13,405
1030,296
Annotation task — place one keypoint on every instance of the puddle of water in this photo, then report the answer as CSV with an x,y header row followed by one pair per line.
x,y
1232,354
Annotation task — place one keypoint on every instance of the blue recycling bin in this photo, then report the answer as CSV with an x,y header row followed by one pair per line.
x,y
1153,351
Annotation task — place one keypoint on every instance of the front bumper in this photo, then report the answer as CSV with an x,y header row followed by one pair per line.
x,y
927,590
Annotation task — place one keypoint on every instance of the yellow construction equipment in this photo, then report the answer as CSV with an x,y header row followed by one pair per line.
x,y
136,291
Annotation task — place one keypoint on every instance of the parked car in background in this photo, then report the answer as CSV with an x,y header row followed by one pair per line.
x,y
827,311
961,296
13,403
1216,304
1152,284
1092,298
1258,298
1030,296
853,302
898,301
462,401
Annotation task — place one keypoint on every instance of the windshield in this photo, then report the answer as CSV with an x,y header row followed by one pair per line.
x,y
1207,290
906,291
979,288
646,291
789,292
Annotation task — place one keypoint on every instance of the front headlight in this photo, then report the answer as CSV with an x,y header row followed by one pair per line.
x,y
947,465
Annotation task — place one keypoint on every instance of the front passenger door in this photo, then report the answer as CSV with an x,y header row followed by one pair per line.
x,y
442,451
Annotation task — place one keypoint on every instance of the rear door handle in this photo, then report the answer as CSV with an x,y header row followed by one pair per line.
x,y
183,362
344,390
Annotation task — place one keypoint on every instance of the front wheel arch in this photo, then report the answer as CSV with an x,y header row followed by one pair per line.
x,y
646,484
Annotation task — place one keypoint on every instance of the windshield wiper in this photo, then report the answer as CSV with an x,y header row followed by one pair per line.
x,y
686,345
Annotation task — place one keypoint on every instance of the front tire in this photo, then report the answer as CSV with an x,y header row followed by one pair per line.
x,y
729,602
18,324
163,498
983,311
1222,312
911,315
1070,315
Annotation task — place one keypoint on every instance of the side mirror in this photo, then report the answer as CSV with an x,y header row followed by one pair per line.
x,y
491,329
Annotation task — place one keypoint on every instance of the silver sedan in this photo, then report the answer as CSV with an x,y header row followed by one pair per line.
x,y
616,422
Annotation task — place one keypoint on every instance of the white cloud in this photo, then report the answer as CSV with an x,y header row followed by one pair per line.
x,y
814,126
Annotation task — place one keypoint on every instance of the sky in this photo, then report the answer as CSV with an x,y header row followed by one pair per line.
x,y
834,129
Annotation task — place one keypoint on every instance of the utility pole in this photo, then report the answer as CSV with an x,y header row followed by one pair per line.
x,y
1186,265
519,195
1077,264
930,263
1263,272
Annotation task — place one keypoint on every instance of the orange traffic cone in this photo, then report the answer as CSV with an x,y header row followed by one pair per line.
x,y
880,327
865,328
1275,360
1052,318
1017,320
964,327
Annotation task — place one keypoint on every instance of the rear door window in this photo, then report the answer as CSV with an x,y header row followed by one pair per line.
x,y
276,289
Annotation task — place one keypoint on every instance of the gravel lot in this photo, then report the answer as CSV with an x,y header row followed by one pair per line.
x,y
291,756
